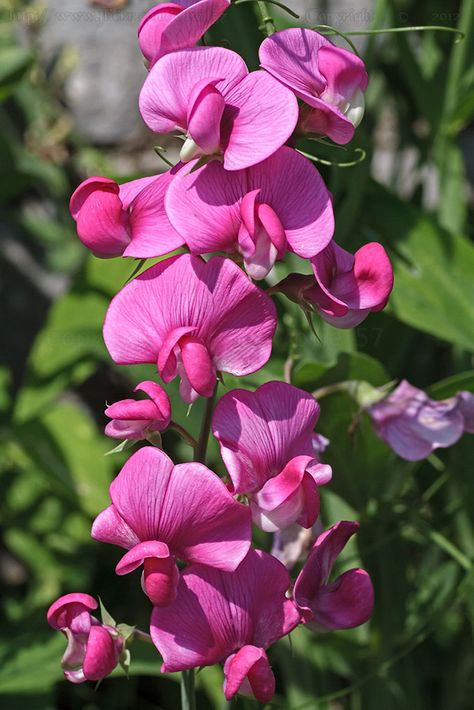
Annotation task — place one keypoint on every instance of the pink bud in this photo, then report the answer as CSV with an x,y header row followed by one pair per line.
x,y
138,419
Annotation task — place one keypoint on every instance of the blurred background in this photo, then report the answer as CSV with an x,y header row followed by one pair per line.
x,y
70,74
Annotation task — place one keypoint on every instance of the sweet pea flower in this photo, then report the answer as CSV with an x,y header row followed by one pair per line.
x,y
343,604
414,425
161,512
346,287
230,618
170,26
193,319
93,649
135,420
279,205
329,80
224,111
124,220
266,441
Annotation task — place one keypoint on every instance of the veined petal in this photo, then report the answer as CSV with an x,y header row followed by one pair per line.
x,y
165,96
261,114
344,72
198,366
345,604
192,23
248,671
109,526
152,26
101,654
206,107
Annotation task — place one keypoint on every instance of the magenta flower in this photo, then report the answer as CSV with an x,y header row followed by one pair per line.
x,y
161,512
209,95
170,26
348,286
345,603
229,618
279,205
124,220
329,80
132,419
193,319
414,425
266,440
93,649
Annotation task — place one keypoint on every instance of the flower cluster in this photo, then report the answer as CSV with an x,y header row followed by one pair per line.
x,y
243,191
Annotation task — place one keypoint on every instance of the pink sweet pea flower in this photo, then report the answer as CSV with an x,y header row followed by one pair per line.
x,y
124,220
225,112
414,425
229,618
266,440
93,649
348,286
345,603
193,319
161,512
279,205
329,80
170,26
135,420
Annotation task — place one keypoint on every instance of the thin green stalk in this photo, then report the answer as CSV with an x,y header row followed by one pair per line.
x,y
188,694
268,25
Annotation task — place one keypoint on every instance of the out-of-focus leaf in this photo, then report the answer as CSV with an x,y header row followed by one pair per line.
x,y
349,366
451,385
31,664
14,63
434,288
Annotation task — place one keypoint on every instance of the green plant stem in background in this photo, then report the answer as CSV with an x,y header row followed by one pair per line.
x,y
268,25
188,695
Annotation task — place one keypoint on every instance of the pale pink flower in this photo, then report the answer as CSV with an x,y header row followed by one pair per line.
x,y
208,94
266,440
279,205
193,319
229,618
329,80
137,419
343,604
414,425
93,649
161,512
177,25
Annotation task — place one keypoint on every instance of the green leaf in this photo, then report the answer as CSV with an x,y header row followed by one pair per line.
x,y
349,366
14,63
434,288
452,385
31,663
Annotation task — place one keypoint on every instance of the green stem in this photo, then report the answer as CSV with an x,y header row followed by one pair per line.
x,y
188,697
268,25
184,434
142,636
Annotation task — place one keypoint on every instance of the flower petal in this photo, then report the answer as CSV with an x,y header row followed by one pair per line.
x,y
109,526
261,114
65,609
101,654
249,671
165,96
345,604
189,26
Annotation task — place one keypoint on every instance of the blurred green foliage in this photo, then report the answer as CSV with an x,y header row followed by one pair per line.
x,y
417,533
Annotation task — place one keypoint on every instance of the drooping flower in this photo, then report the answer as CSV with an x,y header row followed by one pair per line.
x,y
138,419
161,512
229,618
414,425
329,80
93,649
124,220
347,287
193,319
343,604
175,25
279,205
223,111
266,441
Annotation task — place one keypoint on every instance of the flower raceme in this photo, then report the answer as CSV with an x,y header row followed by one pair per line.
x,y
223,110
414,425
345,603
216,321
124,220
279,205
93,649
161,513
329,80
230,618
175,25
266,440
138,419
346,287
